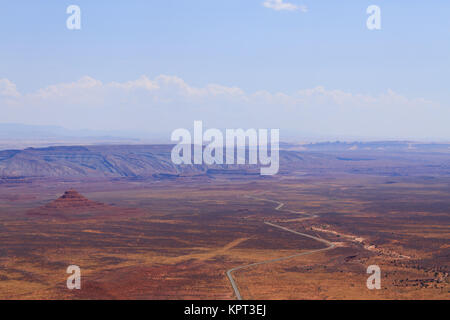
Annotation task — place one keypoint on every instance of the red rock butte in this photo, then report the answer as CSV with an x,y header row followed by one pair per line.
x,y
73,200
73,205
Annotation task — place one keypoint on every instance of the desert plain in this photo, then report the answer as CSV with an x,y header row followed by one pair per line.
x,y
174,235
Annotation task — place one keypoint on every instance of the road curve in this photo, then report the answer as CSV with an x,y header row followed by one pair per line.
x,y
329,244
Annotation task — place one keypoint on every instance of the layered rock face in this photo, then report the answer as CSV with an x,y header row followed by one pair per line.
x,y
111,162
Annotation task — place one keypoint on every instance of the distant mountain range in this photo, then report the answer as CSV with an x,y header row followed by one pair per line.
x,y
19,136
25,131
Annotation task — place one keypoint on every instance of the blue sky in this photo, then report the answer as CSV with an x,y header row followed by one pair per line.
x,y
391,82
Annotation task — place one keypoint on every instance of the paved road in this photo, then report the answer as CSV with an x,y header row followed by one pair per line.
x,y
278,208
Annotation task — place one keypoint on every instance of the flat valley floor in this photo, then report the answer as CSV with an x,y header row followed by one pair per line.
x,y
176,239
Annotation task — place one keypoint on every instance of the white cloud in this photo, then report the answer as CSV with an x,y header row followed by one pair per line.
x,y
167,102
65,89
143,83
8,88
279,5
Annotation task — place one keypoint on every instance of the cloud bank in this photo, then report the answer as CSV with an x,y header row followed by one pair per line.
x,y
164,103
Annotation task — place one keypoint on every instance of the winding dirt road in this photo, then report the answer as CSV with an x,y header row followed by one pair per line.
x,y
280,205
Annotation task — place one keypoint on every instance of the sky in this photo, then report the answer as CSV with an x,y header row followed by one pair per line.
x,y
308,67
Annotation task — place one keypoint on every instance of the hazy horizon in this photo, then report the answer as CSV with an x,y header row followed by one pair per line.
x,y
50,135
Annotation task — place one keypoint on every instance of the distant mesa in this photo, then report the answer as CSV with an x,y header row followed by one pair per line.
x,y
153,162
